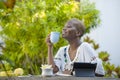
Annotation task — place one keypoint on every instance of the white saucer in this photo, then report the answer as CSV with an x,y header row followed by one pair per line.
x,y
60,74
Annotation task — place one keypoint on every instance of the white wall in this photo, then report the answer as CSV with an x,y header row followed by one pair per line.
x,y
108,34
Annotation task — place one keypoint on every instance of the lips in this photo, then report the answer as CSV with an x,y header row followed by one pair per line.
x,y
63,33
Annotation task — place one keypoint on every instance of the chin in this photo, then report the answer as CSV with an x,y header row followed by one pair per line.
x,y
63,36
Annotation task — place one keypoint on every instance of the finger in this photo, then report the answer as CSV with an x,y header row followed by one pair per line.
x,y
48,37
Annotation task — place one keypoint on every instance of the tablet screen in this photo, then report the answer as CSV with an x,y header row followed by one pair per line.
x,y
80,65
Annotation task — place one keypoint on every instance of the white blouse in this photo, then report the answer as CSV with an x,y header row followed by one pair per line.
x,y
85,53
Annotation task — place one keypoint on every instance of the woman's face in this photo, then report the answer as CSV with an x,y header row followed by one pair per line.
x,y
69,31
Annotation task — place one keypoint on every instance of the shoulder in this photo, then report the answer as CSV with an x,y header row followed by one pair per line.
x,y
87,47
61,49
85,44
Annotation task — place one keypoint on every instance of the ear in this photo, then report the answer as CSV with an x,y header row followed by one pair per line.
x,y
78,33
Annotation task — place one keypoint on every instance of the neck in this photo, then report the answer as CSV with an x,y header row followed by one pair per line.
x,y
74,44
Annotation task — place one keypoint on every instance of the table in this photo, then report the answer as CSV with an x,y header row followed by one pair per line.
x,y
56,78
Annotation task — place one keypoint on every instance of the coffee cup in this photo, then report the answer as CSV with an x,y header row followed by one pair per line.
x,y
54,37
47,72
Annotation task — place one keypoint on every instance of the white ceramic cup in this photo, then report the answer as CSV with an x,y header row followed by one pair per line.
x,y
54,37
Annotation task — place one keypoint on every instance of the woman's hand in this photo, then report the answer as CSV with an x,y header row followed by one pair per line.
x,y
48,41
50,54
67,72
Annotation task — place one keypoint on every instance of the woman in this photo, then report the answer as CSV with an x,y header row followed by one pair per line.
x,y
76,51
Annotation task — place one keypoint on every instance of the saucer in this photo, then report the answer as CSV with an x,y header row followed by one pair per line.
x,y
61,74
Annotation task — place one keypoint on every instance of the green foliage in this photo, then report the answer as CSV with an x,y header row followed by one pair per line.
x,y
25,28
117,70
90,41
90,15
2,6
104,56
109,68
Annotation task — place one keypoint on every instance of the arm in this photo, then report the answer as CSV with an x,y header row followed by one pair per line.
x,y
99,72
50,55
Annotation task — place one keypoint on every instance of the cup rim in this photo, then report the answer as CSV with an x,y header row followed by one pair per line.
x,y
55,32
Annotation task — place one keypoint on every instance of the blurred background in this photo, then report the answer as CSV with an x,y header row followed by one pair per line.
x,y
108,34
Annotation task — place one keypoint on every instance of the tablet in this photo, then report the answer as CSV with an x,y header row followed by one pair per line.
x,y
84,69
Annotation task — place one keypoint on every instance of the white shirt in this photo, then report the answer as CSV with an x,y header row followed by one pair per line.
x,y
85,53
